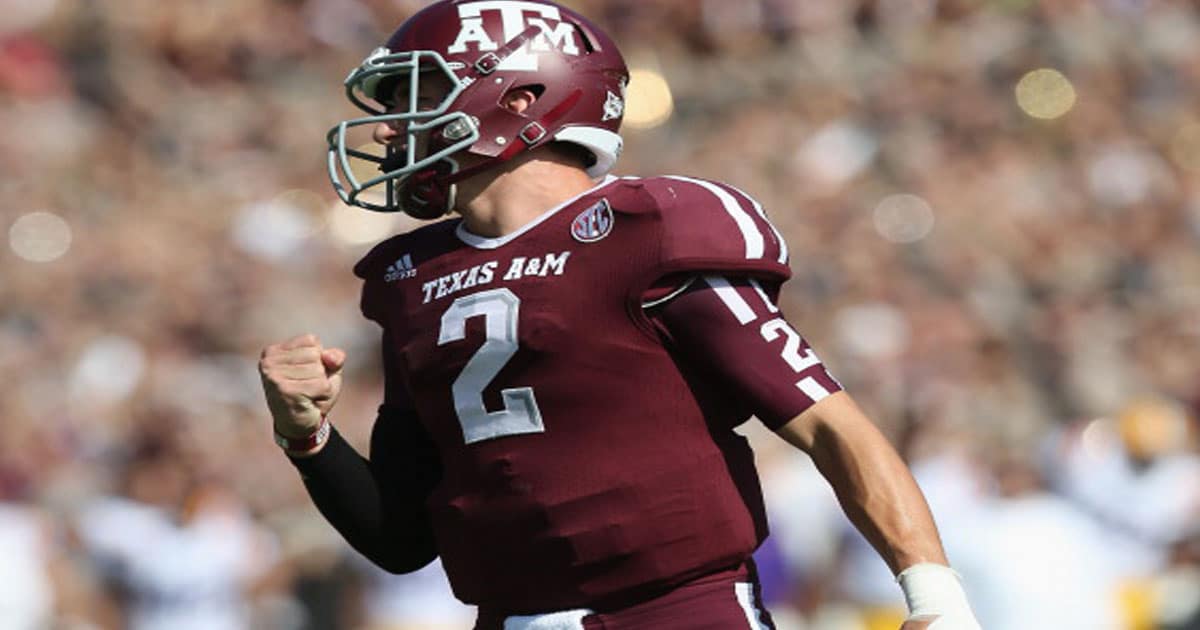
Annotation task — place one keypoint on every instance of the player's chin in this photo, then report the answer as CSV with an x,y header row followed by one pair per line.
x,y
920,622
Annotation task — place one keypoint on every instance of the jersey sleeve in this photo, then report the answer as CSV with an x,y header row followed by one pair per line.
x,y
706,226
732,329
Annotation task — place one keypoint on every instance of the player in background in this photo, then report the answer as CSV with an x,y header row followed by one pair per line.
x,y
565,361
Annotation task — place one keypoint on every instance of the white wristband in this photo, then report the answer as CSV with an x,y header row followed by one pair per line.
x,y
934,589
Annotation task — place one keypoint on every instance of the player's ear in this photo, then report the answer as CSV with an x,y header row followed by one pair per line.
x,y
519,99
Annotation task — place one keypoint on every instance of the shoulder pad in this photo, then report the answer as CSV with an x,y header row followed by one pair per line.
x,y
708,226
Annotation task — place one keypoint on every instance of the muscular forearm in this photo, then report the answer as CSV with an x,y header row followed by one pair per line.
x,y
394,534
872,483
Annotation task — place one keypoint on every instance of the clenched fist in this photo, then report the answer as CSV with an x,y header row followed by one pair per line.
x,y
302,381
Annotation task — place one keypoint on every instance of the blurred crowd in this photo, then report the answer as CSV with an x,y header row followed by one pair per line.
x,y
1004,269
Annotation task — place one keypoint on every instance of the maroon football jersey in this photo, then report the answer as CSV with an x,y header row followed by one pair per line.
x,y
582,462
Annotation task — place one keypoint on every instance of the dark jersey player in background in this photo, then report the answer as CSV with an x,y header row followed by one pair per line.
x,y
565,362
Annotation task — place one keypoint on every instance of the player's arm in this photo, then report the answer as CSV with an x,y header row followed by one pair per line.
x,y
873,485
378,505
733,327
879,495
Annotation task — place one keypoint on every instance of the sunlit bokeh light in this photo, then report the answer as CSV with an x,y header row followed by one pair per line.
x,y
108,370
837,153
307,201
40,237
1121,175
903,218
1045,93
1096,440
649,102
276,229
351,225
872,330
1185,147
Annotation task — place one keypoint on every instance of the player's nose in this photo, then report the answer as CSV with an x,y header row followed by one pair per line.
x,y
385,133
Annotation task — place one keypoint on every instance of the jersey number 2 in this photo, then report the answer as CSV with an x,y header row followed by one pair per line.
x,y
500,309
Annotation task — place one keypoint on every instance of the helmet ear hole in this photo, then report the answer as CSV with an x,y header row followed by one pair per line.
x,y
537,89
520,98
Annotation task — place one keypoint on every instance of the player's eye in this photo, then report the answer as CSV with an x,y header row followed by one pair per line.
x,y
392,90
426,102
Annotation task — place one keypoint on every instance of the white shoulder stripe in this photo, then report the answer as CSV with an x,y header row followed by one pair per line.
x,y
755,247
729,295
783,248
745,597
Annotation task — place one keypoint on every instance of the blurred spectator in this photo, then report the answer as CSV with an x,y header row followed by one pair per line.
x,y
176,553
27,600
416,601
1136,475
1030,559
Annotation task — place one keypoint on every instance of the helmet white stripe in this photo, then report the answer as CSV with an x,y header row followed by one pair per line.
x,y
755,247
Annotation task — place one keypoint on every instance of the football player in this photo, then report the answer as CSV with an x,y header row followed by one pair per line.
x,y
565,360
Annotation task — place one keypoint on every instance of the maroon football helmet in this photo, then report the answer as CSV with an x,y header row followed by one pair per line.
x,y
485,48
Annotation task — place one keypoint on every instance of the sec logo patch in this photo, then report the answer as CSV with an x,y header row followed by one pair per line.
x,y
594,223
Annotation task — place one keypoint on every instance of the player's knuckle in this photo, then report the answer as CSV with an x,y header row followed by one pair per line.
x,y
301,356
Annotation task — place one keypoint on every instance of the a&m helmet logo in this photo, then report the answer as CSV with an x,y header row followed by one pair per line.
x,y
594,223
515,17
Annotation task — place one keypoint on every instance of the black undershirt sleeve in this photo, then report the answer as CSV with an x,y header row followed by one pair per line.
x,y
379,505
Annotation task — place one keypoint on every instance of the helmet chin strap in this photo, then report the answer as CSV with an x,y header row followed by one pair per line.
x,y
424,195
433,189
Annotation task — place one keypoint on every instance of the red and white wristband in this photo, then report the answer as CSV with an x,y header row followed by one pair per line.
x,y
301,445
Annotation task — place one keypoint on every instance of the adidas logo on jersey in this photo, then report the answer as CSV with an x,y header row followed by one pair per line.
x,y
401,269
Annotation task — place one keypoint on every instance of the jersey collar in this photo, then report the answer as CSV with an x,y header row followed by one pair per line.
x,y
480,242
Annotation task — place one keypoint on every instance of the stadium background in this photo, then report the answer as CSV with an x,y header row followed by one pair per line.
x,y
993,209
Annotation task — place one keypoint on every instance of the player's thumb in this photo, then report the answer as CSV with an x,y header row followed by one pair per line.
x,y
333,359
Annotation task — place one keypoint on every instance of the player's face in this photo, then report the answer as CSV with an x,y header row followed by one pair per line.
x,y
432,88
